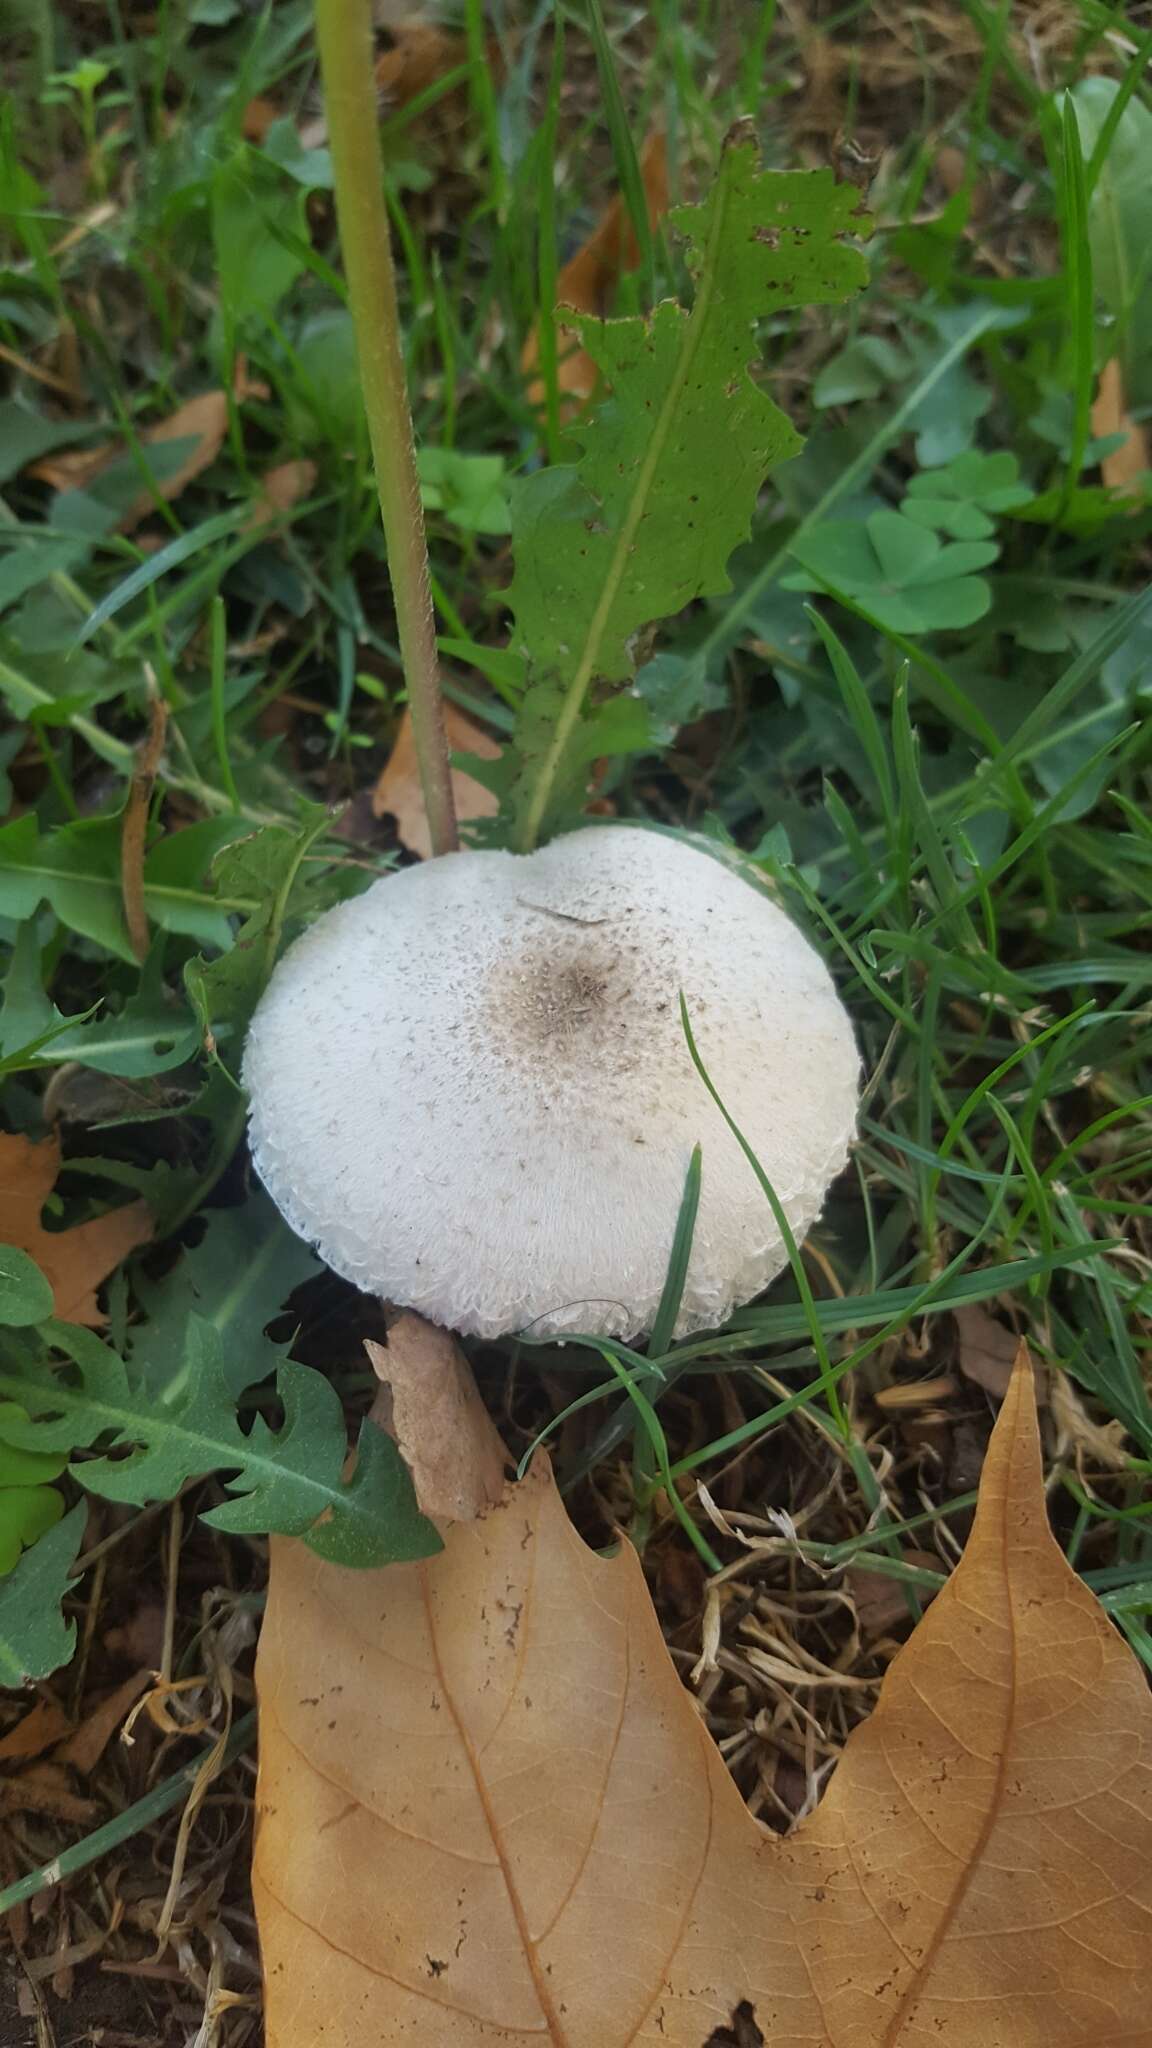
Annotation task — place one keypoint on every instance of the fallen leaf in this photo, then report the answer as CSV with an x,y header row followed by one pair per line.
x,y
259,114
421,54
489,1812
47,1788
87,1743
398,789
282,488
881,1601
201,421
36,1731
440,1424
73,1261
71,468
1126,470
986,1352
589,279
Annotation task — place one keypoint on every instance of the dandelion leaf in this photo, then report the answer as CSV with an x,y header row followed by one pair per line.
x,y
147,1443
670,460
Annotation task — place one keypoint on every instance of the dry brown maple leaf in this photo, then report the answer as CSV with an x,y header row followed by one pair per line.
x,y
398,789
74,1261
489,1812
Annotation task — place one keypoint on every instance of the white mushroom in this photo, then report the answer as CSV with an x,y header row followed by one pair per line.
x,y
470,1087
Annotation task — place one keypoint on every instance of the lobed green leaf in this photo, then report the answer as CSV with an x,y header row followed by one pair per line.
x,y
671,460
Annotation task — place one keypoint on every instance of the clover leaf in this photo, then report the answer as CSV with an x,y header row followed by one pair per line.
x,y
899,573
962,498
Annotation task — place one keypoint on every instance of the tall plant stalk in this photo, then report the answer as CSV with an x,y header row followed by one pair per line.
x,y
344,35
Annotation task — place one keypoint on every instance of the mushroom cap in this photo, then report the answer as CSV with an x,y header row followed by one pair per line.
x,y
471,1091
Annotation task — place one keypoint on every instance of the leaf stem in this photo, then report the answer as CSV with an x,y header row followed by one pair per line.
x,y
344,35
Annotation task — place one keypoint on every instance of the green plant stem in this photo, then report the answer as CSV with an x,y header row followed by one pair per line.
x,y
344,35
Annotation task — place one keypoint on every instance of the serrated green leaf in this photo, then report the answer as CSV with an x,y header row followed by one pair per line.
x,y
646,521
153,1440
51,1412
261,870
294,1484
27,1017
25,1295
148,1035
35,1639
621,725
380,1522
237,1278
77,870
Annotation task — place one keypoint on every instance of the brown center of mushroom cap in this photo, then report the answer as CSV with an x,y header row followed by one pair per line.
x,y
582,998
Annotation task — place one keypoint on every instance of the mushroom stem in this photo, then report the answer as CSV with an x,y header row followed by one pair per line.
x,y
344,36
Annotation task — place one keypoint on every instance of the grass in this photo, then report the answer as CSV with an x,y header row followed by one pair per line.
x,y
956,809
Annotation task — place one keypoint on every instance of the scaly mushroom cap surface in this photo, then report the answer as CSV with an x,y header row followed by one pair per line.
x,y
470,1088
